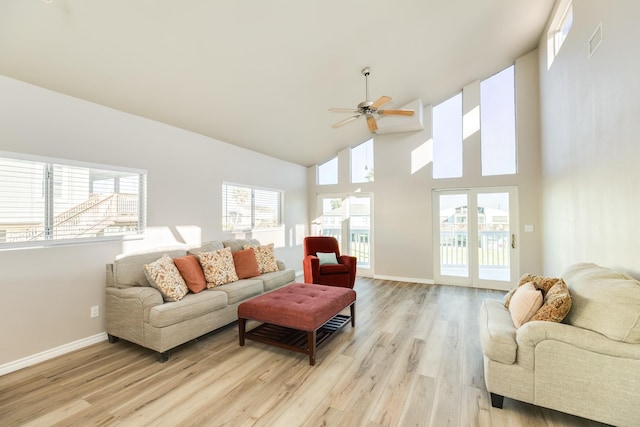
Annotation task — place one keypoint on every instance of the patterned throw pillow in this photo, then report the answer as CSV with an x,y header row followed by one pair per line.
x,y
540,282
266,258
218,267
556,304
165,277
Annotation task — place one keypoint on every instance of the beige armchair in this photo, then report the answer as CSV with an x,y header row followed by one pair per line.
x,y
589,365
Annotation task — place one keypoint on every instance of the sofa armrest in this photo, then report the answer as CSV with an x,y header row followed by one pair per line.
x,y
532,333
127,310
497,332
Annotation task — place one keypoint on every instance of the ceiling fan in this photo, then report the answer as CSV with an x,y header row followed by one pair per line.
x,y
368,108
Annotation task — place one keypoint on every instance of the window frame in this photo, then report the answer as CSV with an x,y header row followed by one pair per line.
x,y
252,209
322,170
556,35
52,195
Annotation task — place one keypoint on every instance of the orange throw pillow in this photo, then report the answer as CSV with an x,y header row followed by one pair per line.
x,y
191,271
246,263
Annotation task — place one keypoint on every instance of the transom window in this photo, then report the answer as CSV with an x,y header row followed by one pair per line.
x,y
328,172
559,29
362,162
250,208
47,201
447,138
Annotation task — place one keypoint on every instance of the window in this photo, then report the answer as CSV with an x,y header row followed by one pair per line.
x,y
248,208
559,29
362,162
52,201
498,124
328,172
447,138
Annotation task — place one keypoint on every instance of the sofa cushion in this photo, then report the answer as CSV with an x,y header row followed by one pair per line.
x,y
245,263
497,332
556,304
265,257
191,271
604,301
210,246
218,267
190,307
240,290
163,275
239,244
128,271
277,279
525,302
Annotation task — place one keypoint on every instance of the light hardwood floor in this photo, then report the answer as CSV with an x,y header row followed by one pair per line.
x,y
413,359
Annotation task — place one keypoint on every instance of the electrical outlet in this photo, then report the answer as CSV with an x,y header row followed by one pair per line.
x,y
95,311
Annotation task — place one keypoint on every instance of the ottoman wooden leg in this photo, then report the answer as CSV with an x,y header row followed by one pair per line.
x,y
311,343
352,307
242,323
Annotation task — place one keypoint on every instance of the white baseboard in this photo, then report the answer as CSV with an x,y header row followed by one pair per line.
x,y
51,353
405,279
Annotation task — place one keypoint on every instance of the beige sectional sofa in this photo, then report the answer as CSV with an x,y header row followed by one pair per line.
x,y
135,311
588,365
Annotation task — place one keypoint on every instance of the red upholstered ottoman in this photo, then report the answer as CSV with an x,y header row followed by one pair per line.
x,y
298,316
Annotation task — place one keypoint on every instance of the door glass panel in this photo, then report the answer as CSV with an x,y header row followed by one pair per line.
x,y
454,260
494,244
360,230
332,214
348,219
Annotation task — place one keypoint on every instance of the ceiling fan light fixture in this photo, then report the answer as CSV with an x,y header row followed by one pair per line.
x,y
369,108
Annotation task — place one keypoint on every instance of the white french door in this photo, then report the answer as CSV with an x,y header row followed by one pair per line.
x,y
347,217
480,218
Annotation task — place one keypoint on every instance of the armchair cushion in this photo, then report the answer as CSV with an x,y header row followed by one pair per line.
x,y
327,258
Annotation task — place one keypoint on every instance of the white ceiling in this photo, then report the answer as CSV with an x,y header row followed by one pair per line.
x,y
263,74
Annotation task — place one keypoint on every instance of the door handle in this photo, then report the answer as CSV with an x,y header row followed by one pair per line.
x,y
513,241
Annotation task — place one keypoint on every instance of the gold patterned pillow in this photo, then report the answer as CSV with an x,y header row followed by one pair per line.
x,y
541,283
265,257
556,304
165,277
218,267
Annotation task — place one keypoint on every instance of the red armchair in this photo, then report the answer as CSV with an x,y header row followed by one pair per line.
x,y
341,274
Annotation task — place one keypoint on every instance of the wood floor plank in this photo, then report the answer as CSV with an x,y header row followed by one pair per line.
x,y
413,359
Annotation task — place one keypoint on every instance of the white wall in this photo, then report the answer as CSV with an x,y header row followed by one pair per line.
x,y
47,293
590,141
402,215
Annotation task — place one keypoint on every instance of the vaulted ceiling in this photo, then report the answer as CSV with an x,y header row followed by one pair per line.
x,y
263,74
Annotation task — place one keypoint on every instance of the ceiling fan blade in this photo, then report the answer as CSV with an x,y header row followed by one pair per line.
x,y
380,102
345,121
371,122
396,112
343,110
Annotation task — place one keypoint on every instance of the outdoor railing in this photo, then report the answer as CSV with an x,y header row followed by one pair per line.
x,y
493,248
